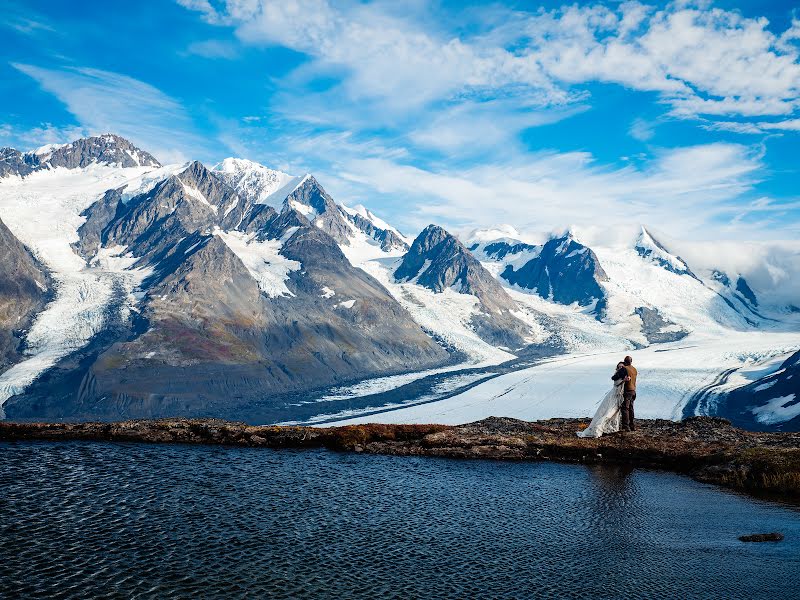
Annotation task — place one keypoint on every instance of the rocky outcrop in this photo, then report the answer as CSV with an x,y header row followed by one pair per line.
x,y
24,290
708,449
319,208
656,329
565,271
762,537
98,216
438,261
499,250
14,162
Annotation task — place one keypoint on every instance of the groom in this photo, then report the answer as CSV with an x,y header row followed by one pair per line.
x,y
627,372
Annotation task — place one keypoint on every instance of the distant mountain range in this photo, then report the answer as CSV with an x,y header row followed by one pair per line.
x,y
133,289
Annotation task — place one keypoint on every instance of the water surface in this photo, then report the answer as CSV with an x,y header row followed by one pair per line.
x,y
81,520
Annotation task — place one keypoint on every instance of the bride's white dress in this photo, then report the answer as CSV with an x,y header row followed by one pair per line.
x,y
607,417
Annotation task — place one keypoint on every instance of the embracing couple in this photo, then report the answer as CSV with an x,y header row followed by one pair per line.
x,y
616,409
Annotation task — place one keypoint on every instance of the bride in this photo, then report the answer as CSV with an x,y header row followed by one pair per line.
x,y
607,417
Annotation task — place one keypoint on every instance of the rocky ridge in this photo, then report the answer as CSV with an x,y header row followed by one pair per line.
x,y
104,149
706,448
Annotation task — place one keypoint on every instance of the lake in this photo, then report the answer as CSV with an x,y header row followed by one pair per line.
x,y
83,520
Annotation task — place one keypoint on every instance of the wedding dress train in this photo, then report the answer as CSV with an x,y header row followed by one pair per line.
x,y
607,417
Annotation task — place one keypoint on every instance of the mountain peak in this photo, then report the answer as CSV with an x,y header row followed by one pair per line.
x,y
564,271
106,149
648,247
255,182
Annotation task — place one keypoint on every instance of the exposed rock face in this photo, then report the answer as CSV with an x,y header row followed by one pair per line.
x,y
318,207
708,449
656,328
24,291
745,291
501,249
565,271
104,149
14,162
437,261
98,216
107,149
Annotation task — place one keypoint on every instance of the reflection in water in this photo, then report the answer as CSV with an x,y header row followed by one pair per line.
x,y
127,520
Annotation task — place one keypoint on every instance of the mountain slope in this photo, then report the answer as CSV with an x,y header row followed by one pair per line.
x,y
23,293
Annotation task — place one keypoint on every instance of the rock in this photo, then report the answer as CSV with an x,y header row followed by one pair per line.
x,y
708,449
762,537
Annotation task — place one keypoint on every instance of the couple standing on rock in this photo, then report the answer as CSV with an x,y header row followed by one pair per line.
x,y
617,405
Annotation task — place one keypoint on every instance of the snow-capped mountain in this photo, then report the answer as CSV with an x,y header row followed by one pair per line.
x,y
563,270
128,288
197,296
256,182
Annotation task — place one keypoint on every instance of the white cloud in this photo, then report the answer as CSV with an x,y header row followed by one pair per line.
x,y
642,130
46,133
701,60
755,127
102,101
213,49
682,190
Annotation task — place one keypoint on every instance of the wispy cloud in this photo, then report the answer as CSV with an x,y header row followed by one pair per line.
x,y
46,133
683,190
102,101
702,60
213,49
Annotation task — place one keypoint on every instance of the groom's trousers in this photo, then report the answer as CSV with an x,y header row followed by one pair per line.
x,y
626,410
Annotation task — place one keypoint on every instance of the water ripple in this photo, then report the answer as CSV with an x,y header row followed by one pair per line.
x,y
91,520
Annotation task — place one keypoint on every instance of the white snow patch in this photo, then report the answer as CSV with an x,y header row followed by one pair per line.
x,y
263,261
776,411
327,292
765,386
193,192
347,304
304,209
256,182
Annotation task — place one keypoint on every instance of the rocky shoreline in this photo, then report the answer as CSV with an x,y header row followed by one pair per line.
x,y
705,448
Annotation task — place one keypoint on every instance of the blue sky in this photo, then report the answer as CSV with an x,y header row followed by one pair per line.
x,y
684,116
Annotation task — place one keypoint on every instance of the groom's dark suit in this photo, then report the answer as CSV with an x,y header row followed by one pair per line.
x,y
628,395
